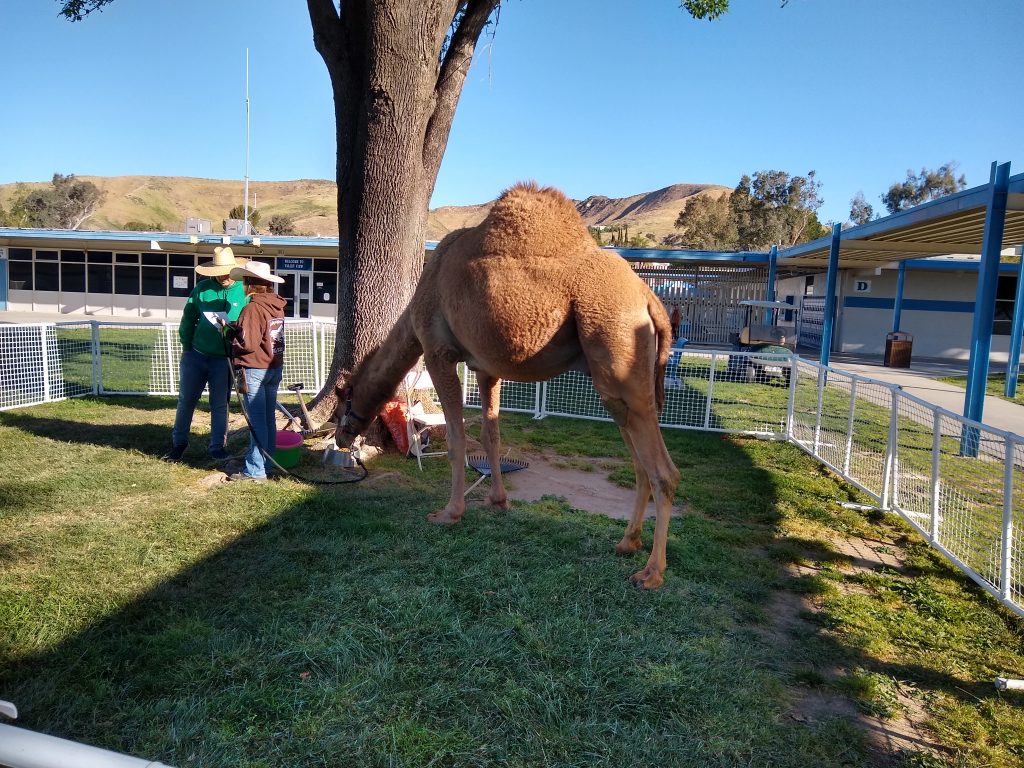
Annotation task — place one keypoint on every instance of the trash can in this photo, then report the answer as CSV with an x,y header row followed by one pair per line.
x,y
897,349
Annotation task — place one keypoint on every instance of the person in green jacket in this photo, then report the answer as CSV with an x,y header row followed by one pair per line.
x,y
204,361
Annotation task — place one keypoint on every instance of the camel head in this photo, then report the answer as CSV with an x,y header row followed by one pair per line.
x,y
351,424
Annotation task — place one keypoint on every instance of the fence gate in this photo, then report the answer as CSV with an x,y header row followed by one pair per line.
x,y
707,297
811,322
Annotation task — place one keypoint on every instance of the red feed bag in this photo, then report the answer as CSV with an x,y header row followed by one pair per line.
x,y
394,415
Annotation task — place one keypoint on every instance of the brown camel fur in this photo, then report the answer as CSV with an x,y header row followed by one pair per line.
x,y
527,295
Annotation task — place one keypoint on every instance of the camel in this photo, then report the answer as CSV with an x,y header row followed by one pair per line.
x,y
527,295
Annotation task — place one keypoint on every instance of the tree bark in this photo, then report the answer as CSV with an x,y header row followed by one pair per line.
x,y
397,68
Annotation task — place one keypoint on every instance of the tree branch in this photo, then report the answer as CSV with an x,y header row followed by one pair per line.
x,y
450,79
328,32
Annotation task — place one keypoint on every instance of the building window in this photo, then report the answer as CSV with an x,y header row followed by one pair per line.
x,y
47,276
99,257
325,287
77,257
20,254
126,258
101,278
19,278
154,280
126,279
72,277
1006,293
181,281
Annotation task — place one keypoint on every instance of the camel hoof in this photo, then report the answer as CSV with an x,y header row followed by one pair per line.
x,y
628,546
648,578
499,503
444,517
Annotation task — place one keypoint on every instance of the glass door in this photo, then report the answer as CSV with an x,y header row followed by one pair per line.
x,y
297,291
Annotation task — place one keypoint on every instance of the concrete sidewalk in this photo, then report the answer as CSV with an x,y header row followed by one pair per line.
x,y
920,380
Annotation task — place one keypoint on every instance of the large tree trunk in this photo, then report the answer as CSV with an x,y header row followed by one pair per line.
x,y
397,68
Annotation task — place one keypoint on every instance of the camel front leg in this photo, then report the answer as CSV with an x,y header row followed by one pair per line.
x,y
449,391
490,435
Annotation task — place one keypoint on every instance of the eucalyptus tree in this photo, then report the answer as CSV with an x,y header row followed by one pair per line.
x,y
929,185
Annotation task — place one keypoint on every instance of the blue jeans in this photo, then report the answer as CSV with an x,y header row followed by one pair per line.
x,y
196,373
261,405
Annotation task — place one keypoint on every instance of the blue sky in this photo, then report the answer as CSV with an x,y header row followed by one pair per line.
x,y
591,96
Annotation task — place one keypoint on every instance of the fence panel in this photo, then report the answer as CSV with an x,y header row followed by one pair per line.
x,y
521,397
136,358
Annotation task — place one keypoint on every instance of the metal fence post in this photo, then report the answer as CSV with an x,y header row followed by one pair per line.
x,y
849,428
172,379
318,379
97,359
817,411
1006,569
936,455
794,380
43,336
889,473
711,384
540,409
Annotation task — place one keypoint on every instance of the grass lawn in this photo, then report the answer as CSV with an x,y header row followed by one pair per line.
x,y
147,611
996,386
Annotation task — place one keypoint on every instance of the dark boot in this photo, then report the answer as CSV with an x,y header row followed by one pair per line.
x,y
176,452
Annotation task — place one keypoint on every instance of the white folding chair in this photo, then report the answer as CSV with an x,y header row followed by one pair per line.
x,y
420,421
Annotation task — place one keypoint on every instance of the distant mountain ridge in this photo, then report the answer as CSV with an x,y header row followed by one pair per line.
x,y
166,201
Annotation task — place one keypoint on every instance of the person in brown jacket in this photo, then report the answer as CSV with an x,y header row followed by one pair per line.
x,y
257,349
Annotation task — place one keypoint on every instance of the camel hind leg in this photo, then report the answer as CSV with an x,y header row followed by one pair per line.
x,y
631,539
655,474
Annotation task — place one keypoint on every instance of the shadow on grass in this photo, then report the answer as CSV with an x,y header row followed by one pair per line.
x,y
118,428
335,626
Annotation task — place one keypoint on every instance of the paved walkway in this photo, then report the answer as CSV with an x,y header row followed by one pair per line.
x,y
920,380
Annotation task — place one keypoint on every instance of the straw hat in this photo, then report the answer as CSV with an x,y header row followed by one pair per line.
x,y
223,262
258,269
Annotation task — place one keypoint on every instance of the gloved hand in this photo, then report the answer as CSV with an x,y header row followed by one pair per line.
x,y
231,332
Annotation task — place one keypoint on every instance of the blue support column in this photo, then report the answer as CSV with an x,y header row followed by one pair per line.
x,y
897,311
1016,332
985,301
773,257
830,295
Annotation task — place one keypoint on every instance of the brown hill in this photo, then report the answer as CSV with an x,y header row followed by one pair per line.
x,y
652,214
166,201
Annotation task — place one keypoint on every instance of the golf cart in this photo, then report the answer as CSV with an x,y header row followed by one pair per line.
x,y
769,345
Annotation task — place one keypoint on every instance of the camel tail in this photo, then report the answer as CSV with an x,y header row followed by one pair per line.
x,y
663,329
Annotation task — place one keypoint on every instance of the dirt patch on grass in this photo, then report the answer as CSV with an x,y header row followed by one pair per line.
x,y
581,488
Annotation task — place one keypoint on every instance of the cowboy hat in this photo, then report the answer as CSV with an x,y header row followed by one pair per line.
x,y
258,269
223,262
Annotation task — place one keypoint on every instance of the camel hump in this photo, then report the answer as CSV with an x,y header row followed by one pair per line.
x,y
541,218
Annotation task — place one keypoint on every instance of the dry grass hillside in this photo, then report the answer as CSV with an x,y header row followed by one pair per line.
x,y
652,214
166,201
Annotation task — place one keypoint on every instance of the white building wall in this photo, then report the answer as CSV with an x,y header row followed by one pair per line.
x,y
940,332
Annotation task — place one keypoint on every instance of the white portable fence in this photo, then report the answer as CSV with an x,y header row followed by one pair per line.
x,y
44,362
959,483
